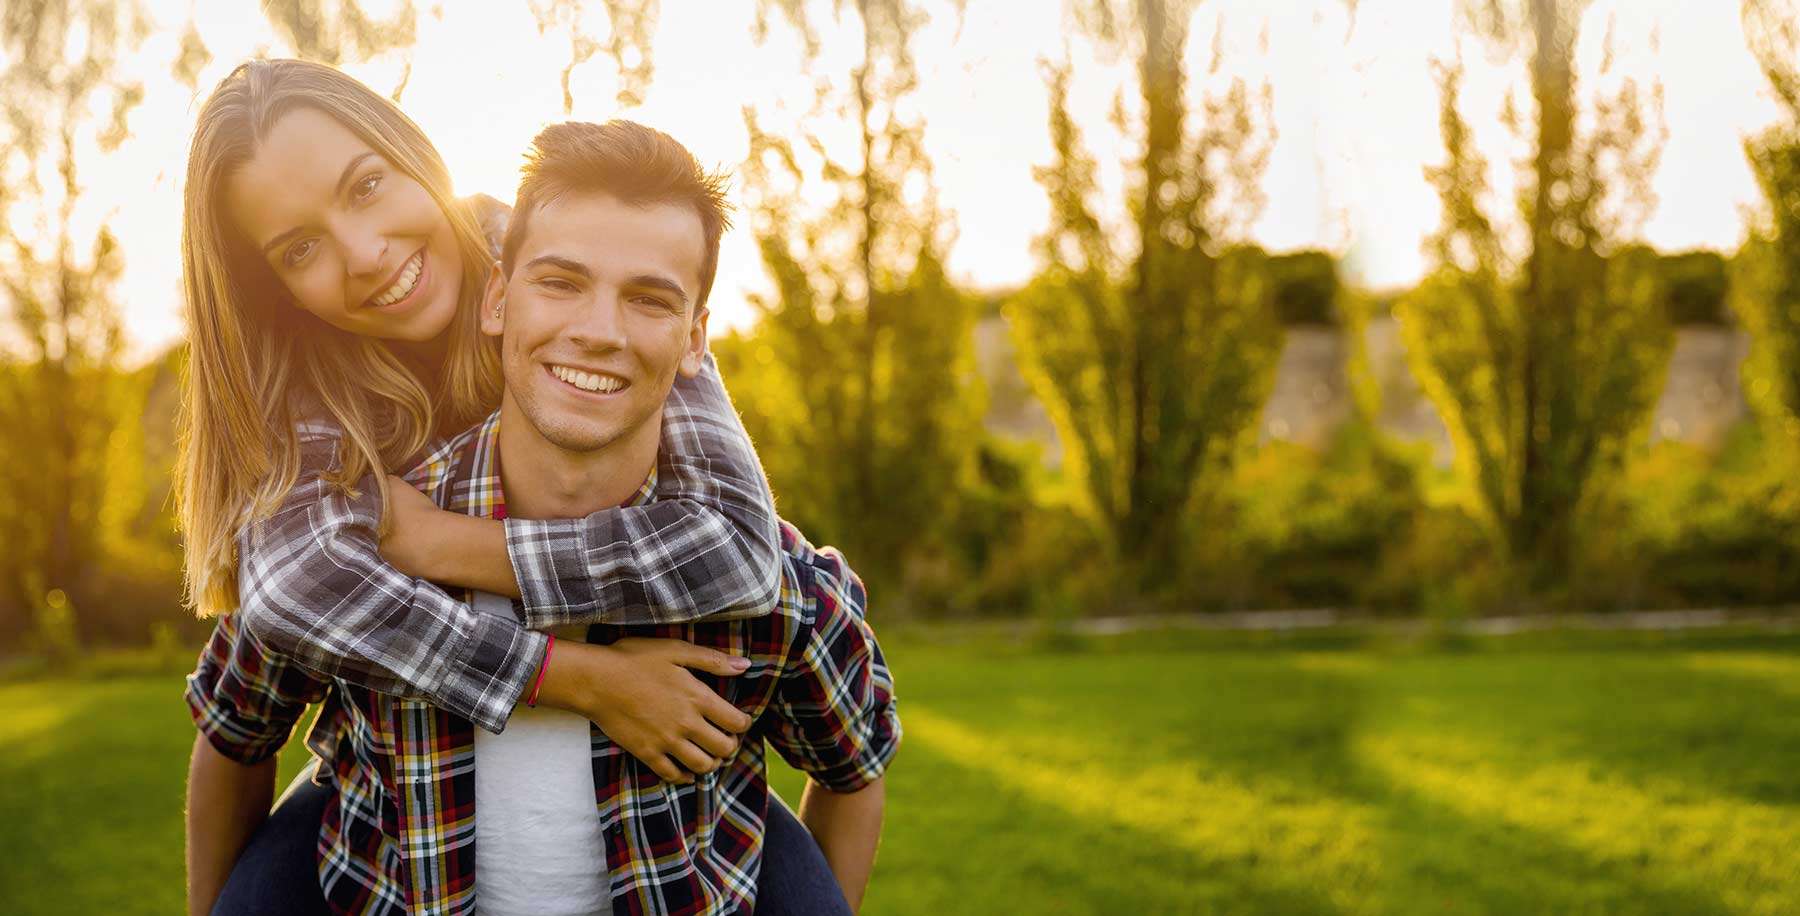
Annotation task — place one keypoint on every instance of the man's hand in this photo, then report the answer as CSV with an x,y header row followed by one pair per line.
x,y
641,694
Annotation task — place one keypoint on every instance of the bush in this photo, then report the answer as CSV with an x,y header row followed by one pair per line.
x,y
1686,528
1306,528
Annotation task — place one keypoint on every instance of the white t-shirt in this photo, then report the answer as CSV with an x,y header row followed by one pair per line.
x,y
538,844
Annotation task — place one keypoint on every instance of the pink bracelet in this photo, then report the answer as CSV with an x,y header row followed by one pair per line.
x,y
542,669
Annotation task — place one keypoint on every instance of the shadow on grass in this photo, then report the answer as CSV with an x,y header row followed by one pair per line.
x,y
1043,835
1439,860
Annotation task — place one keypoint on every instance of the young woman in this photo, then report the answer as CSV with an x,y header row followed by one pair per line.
x,y
333,337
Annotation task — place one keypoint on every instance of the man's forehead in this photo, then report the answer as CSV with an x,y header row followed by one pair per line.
x,y
611,228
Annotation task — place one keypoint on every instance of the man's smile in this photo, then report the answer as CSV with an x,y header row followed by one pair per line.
x,y
588,380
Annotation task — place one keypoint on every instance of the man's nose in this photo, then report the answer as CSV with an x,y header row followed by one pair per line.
x,y
600,325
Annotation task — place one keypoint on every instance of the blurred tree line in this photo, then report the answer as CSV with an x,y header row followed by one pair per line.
x,y
1150,338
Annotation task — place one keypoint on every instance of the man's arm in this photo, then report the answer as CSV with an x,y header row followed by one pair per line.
x,y
847,826
834,716
226,802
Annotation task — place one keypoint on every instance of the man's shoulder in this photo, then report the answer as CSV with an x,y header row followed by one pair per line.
x,y
451,461
816,582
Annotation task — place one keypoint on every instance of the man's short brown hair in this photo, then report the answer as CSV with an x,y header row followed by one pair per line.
x,y
638,165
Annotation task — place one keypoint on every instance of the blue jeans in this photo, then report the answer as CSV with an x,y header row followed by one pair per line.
x,y
278,873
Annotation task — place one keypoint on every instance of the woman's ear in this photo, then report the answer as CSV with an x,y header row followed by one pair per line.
x,y
493,303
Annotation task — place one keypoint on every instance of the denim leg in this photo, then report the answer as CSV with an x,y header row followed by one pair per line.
x,y
795,881
278,873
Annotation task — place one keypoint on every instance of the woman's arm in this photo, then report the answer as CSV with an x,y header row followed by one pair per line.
x,y
226,802
315,588
848,828
707,547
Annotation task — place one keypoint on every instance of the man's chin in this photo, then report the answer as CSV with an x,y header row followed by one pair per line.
x,y
574,436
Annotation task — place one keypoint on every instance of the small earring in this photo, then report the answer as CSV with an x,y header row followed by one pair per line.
x,y
496,310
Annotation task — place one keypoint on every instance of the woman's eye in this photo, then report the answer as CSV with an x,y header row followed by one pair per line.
x,y
365,188
298,251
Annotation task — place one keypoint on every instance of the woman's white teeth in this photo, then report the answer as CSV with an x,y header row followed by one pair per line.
x,y
403,285
588,381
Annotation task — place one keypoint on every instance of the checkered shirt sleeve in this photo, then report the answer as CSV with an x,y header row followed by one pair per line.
x,y
314,588
707,547
245,700
835,716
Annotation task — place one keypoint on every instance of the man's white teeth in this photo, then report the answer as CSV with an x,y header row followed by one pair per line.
x,y
588,381
403,285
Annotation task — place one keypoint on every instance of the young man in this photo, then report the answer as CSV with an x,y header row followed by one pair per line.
x,y
599,304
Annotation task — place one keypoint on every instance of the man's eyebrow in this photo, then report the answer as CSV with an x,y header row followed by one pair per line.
x,y
342,182
568,265
652,281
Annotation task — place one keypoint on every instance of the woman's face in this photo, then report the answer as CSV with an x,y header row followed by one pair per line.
x,y
354,240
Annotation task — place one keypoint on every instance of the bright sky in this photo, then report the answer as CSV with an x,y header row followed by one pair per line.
x,y
1355,108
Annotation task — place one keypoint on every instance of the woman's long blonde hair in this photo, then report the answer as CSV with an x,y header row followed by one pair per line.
x,y
253,355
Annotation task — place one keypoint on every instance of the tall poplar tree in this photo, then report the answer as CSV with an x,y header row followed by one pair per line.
x,y
1542,342
870,343
1153,354
1766,281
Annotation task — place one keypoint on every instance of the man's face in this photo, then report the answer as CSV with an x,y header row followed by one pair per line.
x,y
598,317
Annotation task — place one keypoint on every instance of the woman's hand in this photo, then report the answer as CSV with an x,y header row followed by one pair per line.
x,y
641,694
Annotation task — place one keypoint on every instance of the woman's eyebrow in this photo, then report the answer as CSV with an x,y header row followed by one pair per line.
x,y
342,182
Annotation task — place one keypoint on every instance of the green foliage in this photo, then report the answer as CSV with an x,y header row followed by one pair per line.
x,y
1541,362
630,38
1305,287
1766,271
1318,527
339,31
59,391
863,356
1685,527
1696,285
1151,363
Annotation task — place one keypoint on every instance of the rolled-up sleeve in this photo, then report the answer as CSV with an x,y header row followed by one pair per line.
x,y
835,714
707,547
244,699
314,588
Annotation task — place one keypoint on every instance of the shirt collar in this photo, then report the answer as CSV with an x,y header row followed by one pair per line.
x,y
487,495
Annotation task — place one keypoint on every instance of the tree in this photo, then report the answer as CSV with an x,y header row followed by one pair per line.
x,y
873,413
63,95
631,28
1152,362
339,31
1543,356
1766,272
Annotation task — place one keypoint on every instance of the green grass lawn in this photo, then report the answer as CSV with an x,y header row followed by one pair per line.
x,y
1167,774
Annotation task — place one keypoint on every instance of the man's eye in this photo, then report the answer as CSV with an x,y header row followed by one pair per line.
x,y
365,188
297,252
557,286
652,302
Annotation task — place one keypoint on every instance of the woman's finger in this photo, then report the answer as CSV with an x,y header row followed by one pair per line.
x,y
694,758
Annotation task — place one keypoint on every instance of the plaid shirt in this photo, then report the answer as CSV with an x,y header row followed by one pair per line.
x,y
399,836
315,588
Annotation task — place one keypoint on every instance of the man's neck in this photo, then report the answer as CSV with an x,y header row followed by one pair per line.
x,y
543,480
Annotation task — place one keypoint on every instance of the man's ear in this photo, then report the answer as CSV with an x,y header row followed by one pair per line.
x,y
493,303
695,357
